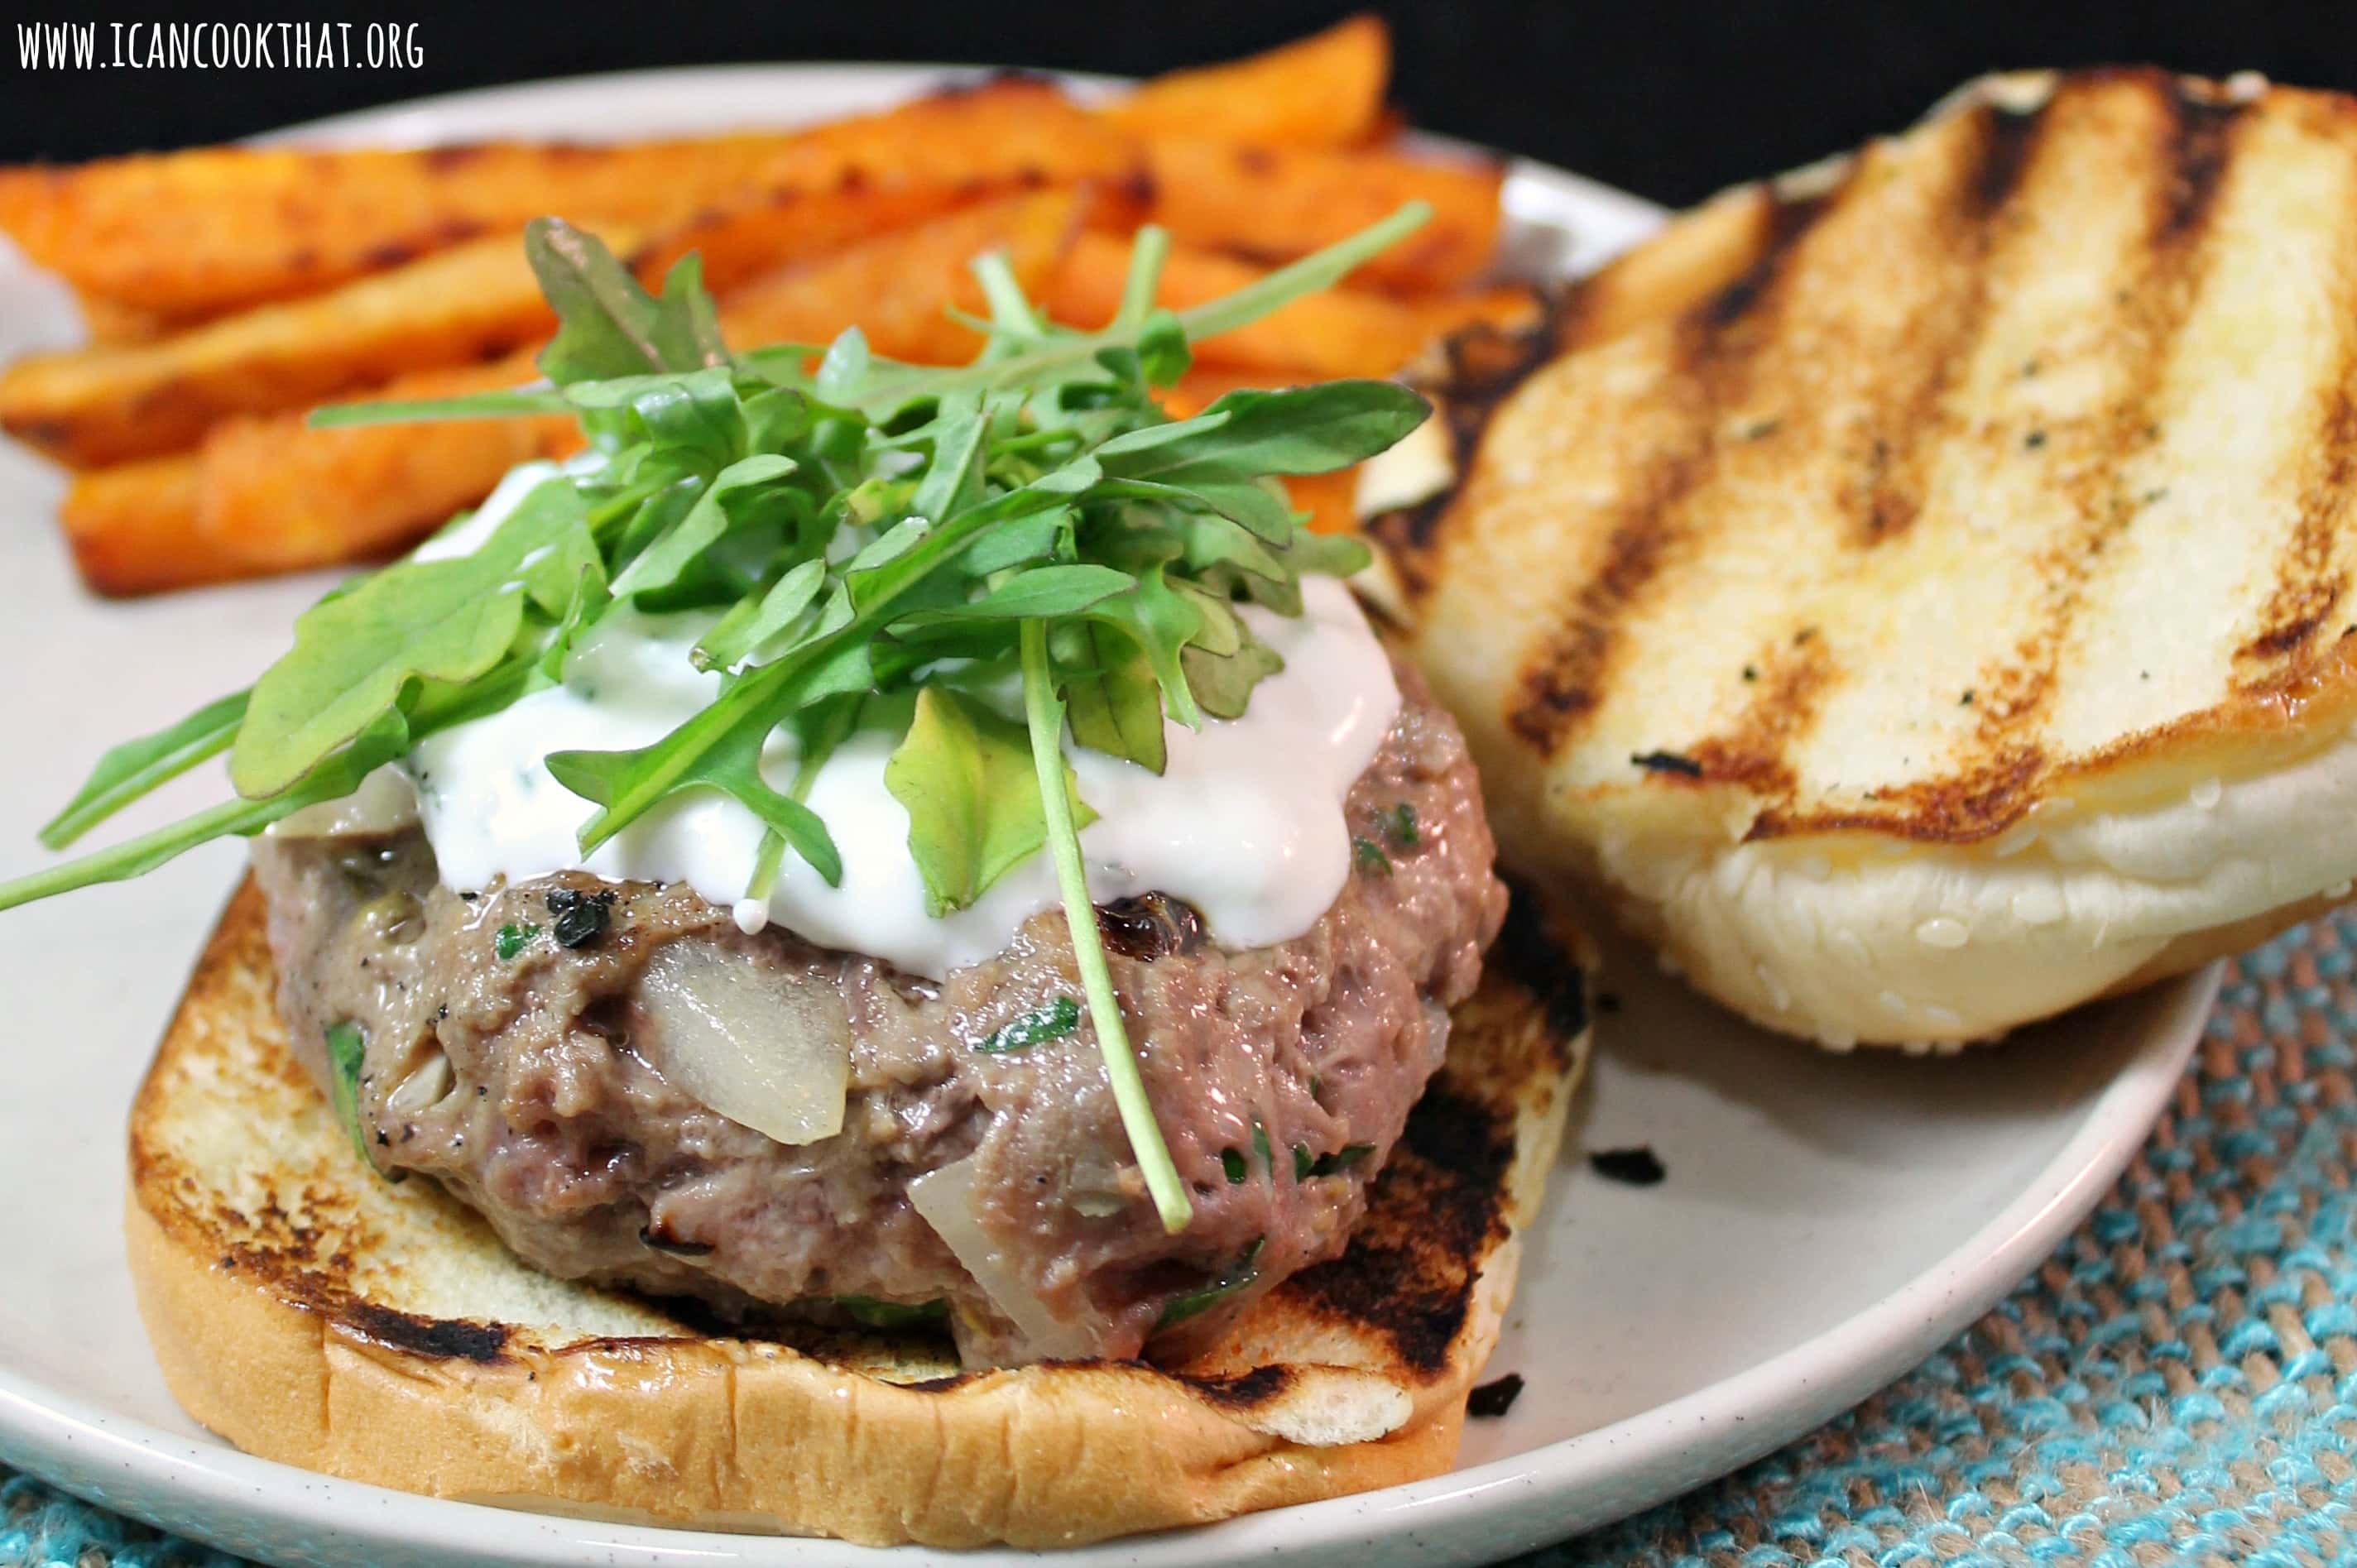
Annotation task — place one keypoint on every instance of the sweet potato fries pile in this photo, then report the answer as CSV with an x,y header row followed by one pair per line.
x,y
229,290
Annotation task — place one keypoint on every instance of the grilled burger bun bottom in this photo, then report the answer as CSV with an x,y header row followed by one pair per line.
x,y
311,1313
1914,592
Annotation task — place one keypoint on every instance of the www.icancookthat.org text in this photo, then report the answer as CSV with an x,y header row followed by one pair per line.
x,y
219,45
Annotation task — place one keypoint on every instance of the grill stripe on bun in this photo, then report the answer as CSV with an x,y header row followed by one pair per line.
x,y
1972,519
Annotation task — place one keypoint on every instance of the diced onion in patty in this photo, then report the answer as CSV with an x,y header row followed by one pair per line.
x,y
946,1198
766,1048
385,802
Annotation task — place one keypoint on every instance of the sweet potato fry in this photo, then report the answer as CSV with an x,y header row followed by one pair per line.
x,y
1272,204
845,182
1326,90
1328,499
1344,332
1509,307
1114,206
269,494
776,228
217,229
133,529
200,232
276,496
110,324
95,406
898,288
1006,130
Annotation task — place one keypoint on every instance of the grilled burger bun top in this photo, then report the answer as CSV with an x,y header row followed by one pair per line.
x,y
1916,591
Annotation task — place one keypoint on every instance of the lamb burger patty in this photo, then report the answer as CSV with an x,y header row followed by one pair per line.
x,y
526,1046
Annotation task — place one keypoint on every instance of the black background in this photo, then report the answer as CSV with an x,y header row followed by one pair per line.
x,y
1672,100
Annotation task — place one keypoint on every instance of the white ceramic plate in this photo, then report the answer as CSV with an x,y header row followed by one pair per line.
x,y
1826,1221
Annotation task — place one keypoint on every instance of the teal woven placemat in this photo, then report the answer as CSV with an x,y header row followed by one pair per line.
x,y
2177,1384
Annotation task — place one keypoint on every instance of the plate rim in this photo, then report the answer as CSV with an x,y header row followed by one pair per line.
x,y
213,1491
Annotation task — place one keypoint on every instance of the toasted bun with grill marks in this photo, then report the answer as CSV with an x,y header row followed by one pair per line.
x,y
1917,591
311,1313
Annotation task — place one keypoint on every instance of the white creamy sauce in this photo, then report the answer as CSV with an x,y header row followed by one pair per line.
x,y
1245,823
470,533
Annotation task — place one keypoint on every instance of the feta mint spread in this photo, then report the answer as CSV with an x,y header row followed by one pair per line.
x,y
1244,821
894,656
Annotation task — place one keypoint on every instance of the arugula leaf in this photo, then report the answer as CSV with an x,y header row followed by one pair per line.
x,y
1009,311
1162,352
356,653
347,1056
1223,683
695,420
687,328
660,564
1330,554
1147,253
332,779
1219,554
1159,621
421,411
1147,438
605,323
759,618
817,731
1113,699
1003,445
664,496
965,775
1259,506
1019,542
1219,630
844,368
1248,434
589,599
440,704
829,661
731,766
959,431
1311,275
863,575
777,419
132,769
558,576
1043,591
